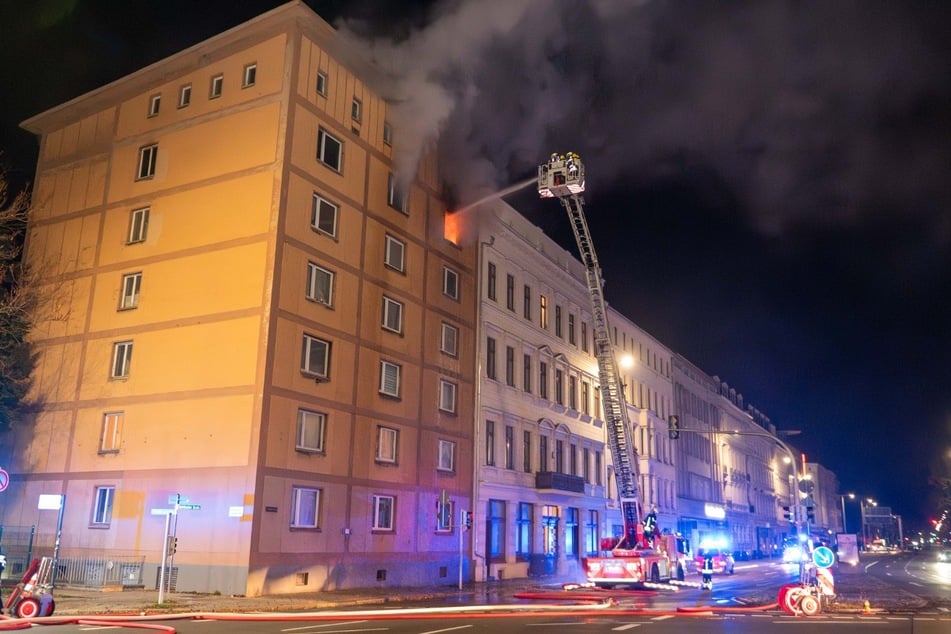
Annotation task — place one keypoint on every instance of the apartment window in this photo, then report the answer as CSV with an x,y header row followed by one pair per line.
x,y
395,195
250,75
320,284
383,509
510,366
184,96
356,110
509,447
560,456
450,283
527,302
148,155
387,133
586,397
510,292
571,533
329,149
543,453
131,284
111,432
490,357
490,443
217,83
392,315
490,285
573,459
586,464
322,83
559,387
597,468
389,378
571,329
527,373
543,379
558,331
523,531
444,517
446,460
591,541
584,336
447,396
323,216
449,340
495,531
573,392
527,451
315,357
138,225
387,445
155,102
311,427
395,254
102,505
121,359
543,311
305,507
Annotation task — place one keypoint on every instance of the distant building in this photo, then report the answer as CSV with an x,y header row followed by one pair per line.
x,y
249,310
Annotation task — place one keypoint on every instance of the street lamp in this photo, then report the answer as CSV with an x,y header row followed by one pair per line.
x,y
842,499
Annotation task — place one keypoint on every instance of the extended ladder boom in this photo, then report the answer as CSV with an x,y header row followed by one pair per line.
x,y
563,178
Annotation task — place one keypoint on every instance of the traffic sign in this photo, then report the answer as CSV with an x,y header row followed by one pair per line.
x,y
4,480
823,557
190,507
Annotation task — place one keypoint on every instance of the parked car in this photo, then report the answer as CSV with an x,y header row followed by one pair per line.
x,y
723,562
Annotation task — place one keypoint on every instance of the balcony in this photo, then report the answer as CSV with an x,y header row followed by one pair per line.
x,y
559,481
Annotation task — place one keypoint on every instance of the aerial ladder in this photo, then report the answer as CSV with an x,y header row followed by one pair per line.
x,y
634,559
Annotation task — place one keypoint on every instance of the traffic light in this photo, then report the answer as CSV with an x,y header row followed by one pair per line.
x,y
788,514
810,514
172,545
673,426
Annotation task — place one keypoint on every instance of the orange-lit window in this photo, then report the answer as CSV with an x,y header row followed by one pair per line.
x,y
111,432
217,84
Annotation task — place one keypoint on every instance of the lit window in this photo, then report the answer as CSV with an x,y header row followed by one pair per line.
x,y
450,283
389,378
329,149
138,225
387,133
447,396
111,432
217,83
184,95
449,342
392,315
102,509
321,83
386,444
356,110
148,156
315,357
446,460
305,507
155,102
310,431
383,507
394,256
320,284
250,75
121,358
543,311
130,291
395,196
323,216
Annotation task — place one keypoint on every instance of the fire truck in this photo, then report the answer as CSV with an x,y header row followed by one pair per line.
x,y
636,556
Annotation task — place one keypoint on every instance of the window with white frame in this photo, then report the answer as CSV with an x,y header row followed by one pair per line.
x,y
387,133
321,83
449,340
320,284
155,102
315,357
446,460
103,501
387,441
394,255
323,216
389,378
217,84
447,396
356,110
395,195
111,432
311,427
121,359
250,75
392,315
148,156
305,507
384,507
131,284
184,96
450,283
444,517
329,149
138,225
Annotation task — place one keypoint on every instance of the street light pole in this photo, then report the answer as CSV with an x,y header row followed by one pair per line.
x,y
842,499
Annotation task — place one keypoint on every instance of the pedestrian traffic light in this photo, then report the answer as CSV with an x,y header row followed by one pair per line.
x,y
810,514
788,514
172,545
673,426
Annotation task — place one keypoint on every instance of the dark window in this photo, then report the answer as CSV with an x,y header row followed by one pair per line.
x,y
510,292
510,366
490,285
527,373
495,531
490,358
527,451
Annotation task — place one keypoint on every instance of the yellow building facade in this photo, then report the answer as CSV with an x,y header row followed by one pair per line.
x,y
245,308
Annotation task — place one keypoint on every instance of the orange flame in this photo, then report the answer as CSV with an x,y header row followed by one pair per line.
x,y
452,226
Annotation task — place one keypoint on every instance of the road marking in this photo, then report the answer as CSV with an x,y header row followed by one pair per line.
x,y
621,628
447,629
315,626
663,617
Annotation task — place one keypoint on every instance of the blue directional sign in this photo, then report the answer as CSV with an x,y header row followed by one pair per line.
x,y
823,557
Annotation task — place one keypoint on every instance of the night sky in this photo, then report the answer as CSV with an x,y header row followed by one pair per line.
x,y
769,182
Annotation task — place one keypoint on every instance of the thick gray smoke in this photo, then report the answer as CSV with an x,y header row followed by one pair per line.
x,y
806,111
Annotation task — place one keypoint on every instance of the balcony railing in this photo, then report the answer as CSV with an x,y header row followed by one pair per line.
x,y
559,481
